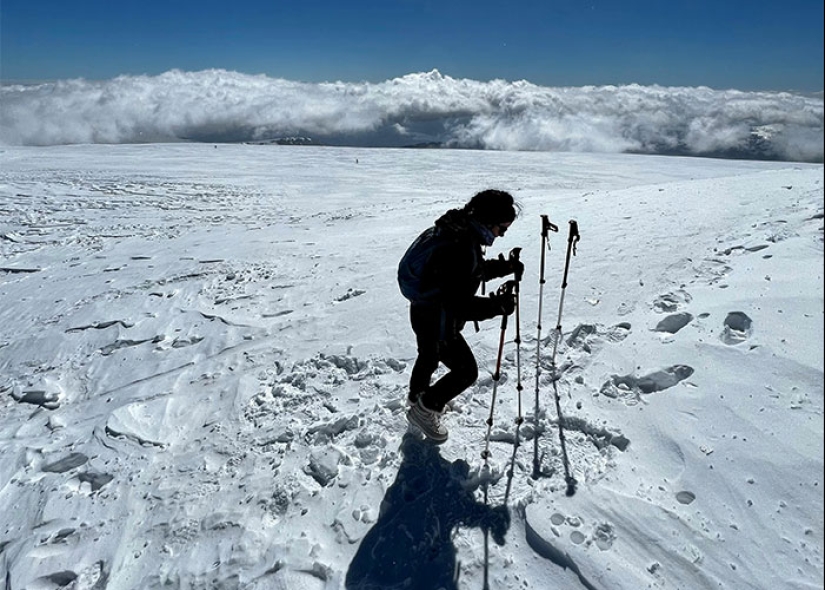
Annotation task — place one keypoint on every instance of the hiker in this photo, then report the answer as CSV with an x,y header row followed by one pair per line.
x,y
440,274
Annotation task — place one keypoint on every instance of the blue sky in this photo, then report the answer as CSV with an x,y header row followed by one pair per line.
x,y
741,44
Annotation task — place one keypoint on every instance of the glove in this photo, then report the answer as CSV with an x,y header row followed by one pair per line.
x,y
497,522
506,303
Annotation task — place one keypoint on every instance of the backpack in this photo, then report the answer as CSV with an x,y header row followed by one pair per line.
x,y
413,265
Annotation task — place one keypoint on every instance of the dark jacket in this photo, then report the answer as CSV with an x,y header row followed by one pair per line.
x,y
454,271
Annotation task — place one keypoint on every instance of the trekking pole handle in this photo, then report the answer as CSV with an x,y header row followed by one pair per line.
x,y
573,236
515,254
547,226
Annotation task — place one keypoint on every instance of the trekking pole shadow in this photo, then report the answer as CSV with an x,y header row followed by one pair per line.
x,y
410,546
501,513
512,466
505,502
572,240
486,577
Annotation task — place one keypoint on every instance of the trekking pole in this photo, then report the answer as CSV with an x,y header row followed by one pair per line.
x,y
514,257
504,289
572,240
546,227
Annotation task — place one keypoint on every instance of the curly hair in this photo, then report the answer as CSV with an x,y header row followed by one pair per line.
x,y
492,206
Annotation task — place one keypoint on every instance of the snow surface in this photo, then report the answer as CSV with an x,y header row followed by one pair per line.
x,y
204,359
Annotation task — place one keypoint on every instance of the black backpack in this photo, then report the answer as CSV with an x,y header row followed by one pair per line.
x,y
413,265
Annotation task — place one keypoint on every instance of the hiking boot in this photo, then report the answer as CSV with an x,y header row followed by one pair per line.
x,y
428,421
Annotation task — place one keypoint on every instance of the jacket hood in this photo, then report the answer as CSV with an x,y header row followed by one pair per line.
x,y
454,221
457,222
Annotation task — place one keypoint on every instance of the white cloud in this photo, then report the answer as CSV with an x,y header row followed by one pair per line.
x,y
218,105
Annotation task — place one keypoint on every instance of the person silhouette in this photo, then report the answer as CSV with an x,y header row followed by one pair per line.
x,y
440,274
410,546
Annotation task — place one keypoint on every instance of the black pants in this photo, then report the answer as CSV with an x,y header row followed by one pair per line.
x,y
438,343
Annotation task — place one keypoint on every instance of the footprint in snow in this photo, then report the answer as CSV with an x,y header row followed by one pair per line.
x,y
685,497
631,387
738,327
674,322
589,337
670,302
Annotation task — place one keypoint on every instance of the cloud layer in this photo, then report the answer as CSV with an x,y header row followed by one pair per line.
x,y
417,109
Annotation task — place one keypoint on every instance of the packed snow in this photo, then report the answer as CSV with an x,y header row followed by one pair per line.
x,y
204,360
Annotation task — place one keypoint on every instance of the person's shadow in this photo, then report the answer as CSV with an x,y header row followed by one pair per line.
x,y
410,546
